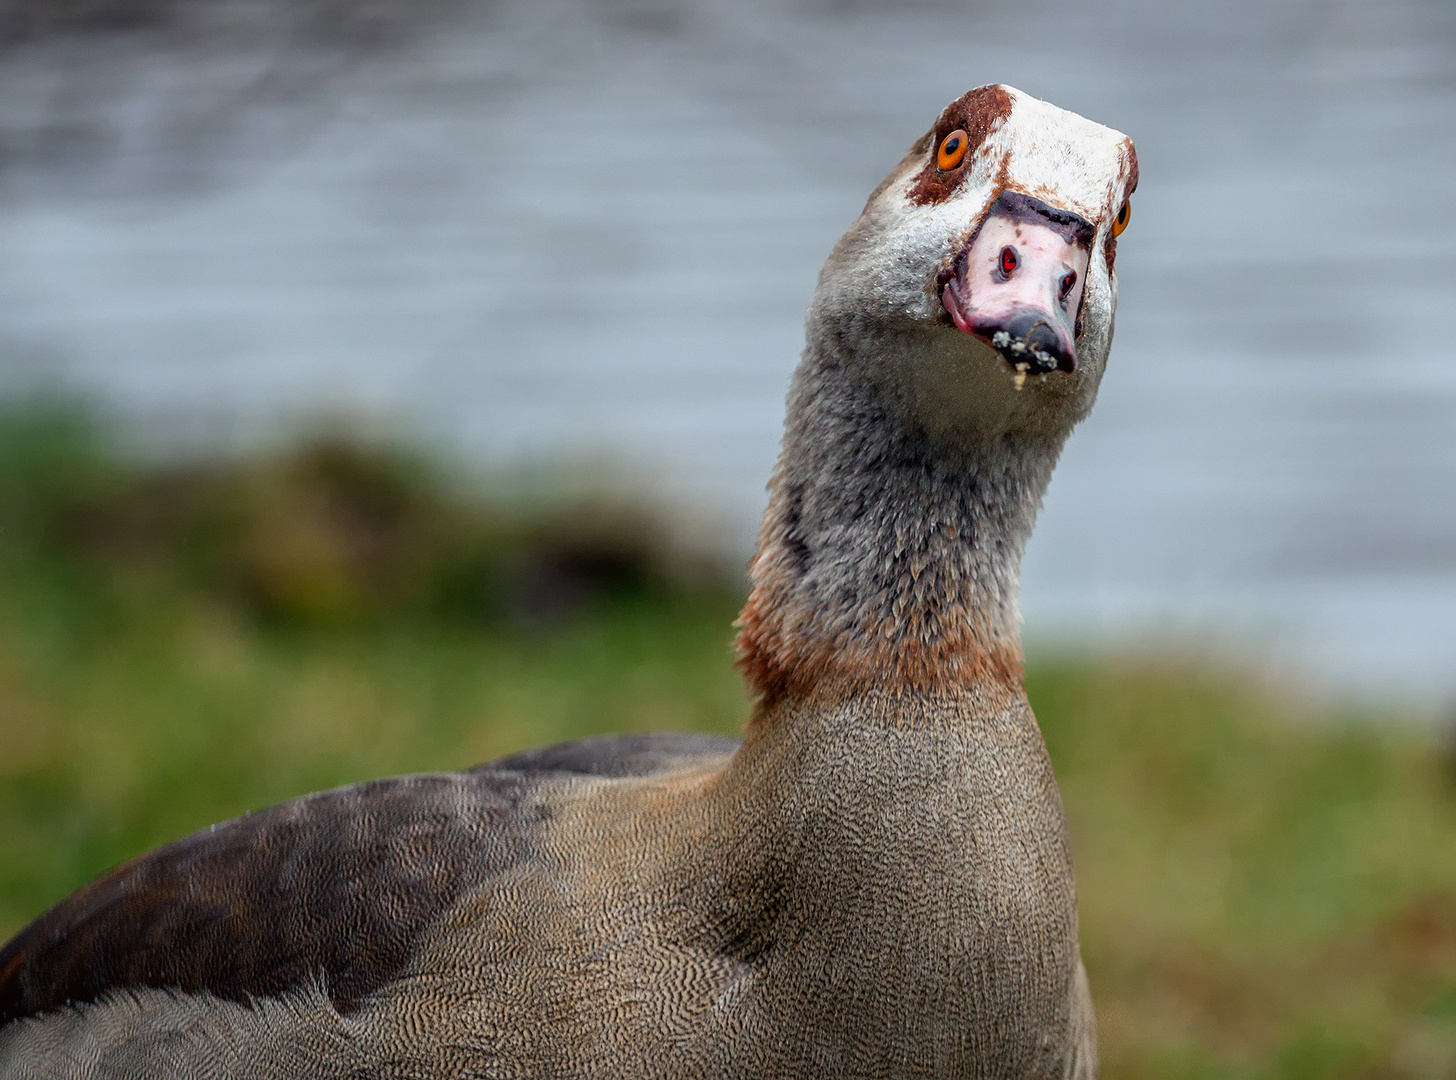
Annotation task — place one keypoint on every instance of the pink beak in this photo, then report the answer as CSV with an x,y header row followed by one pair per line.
x,y
1018,284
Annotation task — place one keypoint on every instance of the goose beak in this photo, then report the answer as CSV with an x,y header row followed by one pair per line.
x,y
1017,284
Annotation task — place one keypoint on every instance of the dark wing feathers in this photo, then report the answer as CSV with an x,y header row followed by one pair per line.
x,y
339,883
619,755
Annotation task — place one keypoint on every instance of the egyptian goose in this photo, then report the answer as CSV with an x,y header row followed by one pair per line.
x,y
875,883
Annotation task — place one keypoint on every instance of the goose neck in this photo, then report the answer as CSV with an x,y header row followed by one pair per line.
x,y
888,560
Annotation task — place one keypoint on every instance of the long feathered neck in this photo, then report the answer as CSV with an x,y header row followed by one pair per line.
x,y
886,562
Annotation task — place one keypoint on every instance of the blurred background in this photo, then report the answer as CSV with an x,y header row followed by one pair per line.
x,y
387,385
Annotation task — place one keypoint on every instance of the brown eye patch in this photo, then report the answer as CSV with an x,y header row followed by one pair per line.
x,y
975,115
1124,215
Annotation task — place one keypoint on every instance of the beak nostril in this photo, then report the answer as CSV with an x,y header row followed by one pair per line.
x,y
1009,260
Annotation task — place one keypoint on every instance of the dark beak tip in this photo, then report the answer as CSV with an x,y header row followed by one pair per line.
x,y
1030,343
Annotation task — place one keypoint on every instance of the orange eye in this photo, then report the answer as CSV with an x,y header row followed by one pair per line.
x,y
952,150
1123,217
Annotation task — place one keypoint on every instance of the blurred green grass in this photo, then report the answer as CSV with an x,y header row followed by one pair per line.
x,y
1268,888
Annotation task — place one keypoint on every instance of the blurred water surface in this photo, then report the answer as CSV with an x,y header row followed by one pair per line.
x,y
588,231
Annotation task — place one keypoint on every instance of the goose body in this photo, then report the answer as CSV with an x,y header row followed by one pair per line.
x,y
875,883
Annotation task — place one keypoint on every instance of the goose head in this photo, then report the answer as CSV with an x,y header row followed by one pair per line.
x,y
976,291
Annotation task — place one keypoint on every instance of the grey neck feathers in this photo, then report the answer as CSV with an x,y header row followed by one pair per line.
x,y
887,559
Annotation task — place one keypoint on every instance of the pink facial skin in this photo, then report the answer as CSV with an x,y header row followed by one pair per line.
x,y
1018,288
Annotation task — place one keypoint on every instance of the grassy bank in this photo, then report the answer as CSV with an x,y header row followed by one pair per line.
x,y
1266,890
